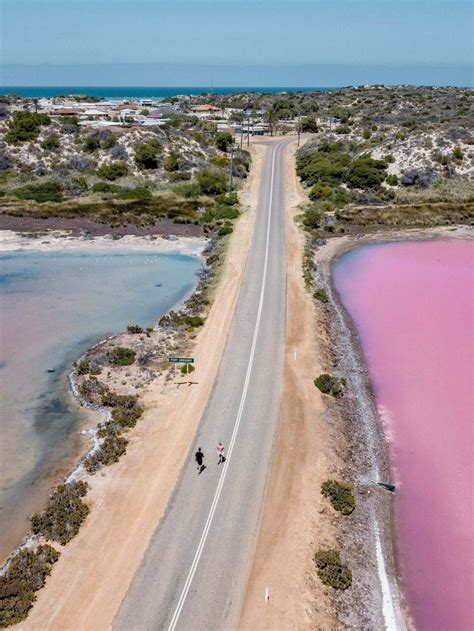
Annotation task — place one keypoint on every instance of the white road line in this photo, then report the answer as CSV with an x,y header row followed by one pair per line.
x,y
210,517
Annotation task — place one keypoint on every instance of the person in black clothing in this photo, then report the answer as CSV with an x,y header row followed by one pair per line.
x,y
199,457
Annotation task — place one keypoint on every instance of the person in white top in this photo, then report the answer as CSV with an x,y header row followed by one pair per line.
x,y
220,453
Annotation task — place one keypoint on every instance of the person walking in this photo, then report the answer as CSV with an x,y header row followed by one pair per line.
x,y
199,457
220,453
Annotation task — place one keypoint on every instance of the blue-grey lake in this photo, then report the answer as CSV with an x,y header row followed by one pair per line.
x,y
53,306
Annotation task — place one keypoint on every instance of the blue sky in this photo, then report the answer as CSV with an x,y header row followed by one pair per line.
x,y
52,40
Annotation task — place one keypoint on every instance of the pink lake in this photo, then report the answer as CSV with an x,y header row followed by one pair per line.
x,y
412,304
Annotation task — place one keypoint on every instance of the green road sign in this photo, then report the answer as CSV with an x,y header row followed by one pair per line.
x,y
181,360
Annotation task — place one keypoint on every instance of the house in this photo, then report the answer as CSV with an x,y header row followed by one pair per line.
x,y
205,110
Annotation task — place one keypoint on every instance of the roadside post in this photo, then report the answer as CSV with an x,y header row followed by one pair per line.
x,y
187,361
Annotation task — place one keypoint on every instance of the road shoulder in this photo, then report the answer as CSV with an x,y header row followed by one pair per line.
x,y
295,519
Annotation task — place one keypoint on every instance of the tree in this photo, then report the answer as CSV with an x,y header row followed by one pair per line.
x,y
223,140
309,124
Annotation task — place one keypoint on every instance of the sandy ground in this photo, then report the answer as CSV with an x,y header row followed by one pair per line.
x,y
63,240
129,498
296,519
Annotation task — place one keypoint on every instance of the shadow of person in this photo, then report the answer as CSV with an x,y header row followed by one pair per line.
x,y
201,469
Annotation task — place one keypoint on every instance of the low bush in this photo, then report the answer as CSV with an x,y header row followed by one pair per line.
x,y
225,230
191,321
392,179
321,295
112,400
331,570
212,182
171,162
224,140
147,154
50,143
312,217
126,417
50,191
122,356
64,513
189,190
226,212
83,367
113,171
134,328
112,447
26,574
139,192
105,187
109,142
91,144
329,384
187,368
340,496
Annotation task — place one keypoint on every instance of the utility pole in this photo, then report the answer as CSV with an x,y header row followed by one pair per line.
x,y
231,167
299,128
248,130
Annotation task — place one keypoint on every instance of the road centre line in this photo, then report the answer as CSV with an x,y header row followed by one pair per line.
x,y
210,517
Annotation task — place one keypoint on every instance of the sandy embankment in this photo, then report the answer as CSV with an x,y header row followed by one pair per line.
x,y
129,498
296,519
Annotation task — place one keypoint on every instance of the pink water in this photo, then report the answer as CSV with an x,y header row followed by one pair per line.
x,y
413,306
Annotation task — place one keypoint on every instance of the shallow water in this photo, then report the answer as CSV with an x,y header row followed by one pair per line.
x,y
413,307
53,306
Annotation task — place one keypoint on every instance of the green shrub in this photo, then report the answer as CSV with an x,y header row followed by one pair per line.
x,y
328,384
125,416
226,212
51,142
321,295
146,154
366,172
171,162
25,126
366,134
225,230
191,321
26,574
112,400
91,144
228,199
392,179
121,356
224,140
458,153
64,513
83,367
212,182
312,217
343,129
139,192
105,187
109,142
134,328
320,191
331,571
190,190
50,191
340,496
113,170
112,447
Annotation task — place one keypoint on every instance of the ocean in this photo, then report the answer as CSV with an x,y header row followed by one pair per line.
x,y
119,93
53,307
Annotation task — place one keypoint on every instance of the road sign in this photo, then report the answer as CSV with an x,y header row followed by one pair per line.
x,y
181,360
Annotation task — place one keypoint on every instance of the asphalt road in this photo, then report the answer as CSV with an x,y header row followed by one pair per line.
x,y
193,574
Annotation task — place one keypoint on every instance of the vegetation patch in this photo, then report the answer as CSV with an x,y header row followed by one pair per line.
x,y
50,191
121,356
340,495
321,295
64,514
329,384
113,446
331,570
134,328
26,574
25,126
